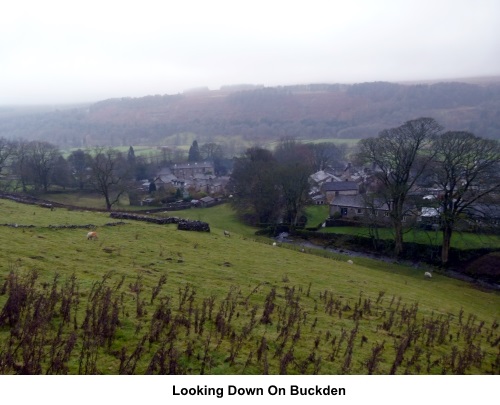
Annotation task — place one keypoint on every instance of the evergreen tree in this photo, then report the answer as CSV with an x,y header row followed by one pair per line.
x,y
131,162
131,156
194,152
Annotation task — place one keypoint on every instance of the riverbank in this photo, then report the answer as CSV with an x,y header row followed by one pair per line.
x,y
417,264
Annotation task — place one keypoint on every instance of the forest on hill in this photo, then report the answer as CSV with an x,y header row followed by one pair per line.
x,y
261,114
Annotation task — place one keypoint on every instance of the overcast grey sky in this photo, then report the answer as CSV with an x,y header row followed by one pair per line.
x,y
57,51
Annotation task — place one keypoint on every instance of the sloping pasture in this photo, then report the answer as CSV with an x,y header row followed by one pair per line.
x,y
148,298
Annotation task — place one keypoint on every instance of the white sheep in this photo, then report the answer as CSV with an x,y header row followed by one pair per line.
x,y
428,274
274,243
92,235
350,261
226,233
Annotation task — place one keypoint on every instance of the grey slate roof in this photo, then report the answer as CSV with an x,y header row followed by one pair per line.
x,y
207,199
356,201
192,164
340,186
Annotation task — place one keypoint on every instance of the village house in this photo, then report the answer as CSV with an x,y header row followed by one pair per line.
x,y
317,198
334,189
188,170
321,177
357,206
208,184
363,208
197,177
316,181
166,180
483,216
207,201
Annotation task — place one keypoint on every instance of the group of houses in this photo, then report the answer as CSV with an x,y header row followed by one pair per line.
x,y
349,193
188,179
345,191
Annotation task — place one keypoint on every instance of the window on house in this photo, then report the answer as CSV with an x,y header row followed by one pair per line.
x,y
359,211
386,214
343,211
404,218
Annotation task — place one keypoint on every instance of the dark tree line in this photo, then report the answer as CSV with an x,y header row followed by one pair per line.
x,y
35,166
272,186
258,115
39,166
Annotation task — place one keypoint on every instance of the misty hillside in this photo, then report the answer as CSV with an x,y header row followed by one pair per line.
x,y
256,113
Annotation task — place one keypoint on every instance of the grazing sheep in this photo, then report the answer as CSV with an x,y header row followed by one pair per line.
x,y
350,261
274,243
428,274
226,233
92,235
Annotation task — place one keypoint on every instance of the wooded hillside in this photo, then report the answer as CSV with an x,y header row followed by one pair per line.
x,y
257,113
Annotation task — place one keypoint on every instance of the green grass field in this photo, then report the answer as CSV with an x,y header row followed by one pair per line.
x,y
226,305
316,214
460,240
220,215
238,141
139,150
88,199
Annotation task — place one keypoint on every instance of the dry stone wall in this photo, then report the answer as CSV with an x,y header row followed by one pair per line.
x,y
182,224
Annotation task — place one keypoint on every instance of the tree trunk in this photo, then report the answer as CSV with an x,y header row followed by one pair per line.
x,y
108,203
398,238
445,249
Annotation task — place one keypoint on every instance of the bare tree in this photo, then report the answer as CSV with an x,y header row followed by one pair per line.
x,y
294,168
78,162
61,173
210,151
20,164
400,156
108,175
42,160
467,171
253,183
215,153
7,149
7,154
34,163
325,154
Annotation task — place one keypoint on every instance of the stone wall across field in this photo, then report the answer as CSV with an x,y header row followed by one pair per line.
x,y
144,218
198,226
182,224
